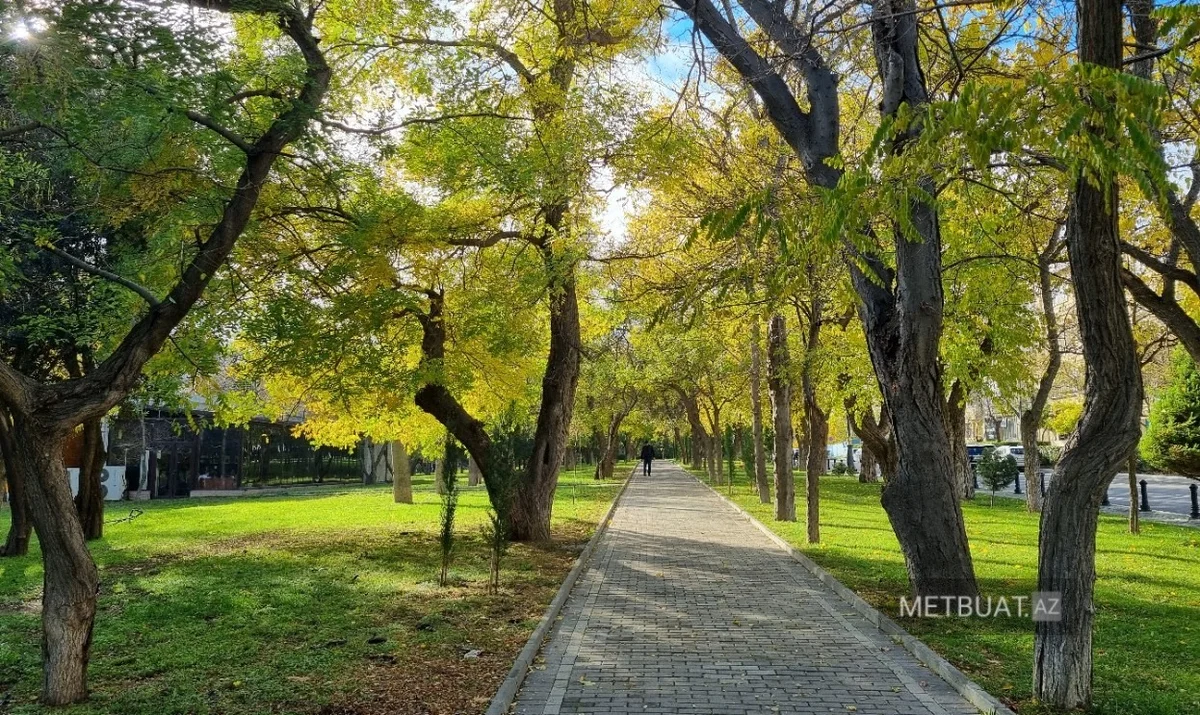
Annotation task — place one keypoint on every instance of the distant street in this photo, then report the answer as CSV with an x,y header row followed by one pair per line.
x,y
1167,493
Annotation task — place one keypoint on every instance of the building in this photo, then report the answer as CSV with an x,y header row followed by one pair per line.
x,y
169,454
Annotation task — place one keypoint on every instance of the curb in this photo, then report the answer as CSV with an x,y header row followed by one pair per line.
x,y
507,692
969,689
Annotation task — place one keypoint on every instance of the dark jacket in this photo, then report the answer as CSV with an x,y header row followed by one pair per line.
x,y
647,453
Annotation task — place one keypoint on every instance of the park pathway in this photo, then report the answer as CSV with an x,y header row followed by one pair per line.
x,y
687,608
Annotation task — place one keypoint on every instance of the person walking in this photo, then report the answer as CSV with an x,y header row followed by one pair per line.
x,y
647,457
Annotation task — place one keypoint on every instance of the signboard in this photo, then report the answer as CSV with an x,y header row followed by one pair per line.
x,y
112,481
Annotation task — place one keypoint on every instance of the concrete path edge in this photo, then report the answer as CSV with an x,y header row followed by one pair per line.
x,y
506,694
943,668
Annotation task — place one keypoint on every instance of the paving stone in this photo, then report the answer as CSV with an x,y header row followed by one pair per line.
x,y
687,609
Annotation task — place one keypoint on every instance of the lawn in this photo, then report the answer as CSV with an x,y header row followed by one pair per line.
x,y
320,602
1147,637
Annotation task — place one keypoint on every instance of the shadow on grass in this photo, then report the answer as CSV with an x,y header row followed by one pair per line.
x,y
298,604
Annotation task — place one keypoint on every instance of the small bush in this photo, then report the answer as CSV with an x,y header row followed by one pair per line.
x,y
449,507
995,472
1049,454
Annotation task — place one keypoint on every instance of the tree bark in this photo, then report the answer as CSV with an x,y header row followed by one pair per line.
x,y
1108,427
868,467
956,415
608,461
877,439
718,451
90,500
1031,419
70,582
473,475
781,418
699,435
904,330
756,413
1135,520
20,527
401,474
533,499
818,439
816,420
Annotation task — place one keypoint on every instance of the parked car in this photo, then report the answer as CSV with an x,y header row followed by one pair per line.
x,y
1017,452
975,452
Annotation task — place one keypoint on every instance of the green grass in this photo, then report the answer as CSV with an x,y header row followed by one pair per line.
x,y
1147,636
317,602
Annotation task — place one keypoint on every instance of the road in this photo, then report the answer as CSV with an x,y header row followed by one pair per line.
x,y
1167,493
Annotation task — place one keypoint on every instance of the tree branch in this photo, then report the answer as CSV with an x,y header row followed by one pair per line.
x,y
1163,269
379,131
83,265
508,56
228,134
19,130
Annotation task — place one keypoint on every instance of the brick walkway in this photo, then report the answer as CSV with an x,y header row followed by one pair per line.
x,y
687,608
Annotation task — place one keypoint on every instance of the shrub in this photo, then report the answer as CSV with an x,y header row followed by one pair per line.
x,y
1172,440
449,507
1050,454
996,472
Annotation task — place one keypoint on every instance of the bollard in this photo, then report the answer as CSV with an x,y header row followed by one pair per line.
x,y
1017,484
1105,502
1195,502
1145,498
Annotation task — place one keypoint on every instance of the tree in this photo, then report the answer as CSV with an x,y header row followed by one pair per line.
x,y
997,472
759,466
1031,418
779,387
45,412
903,327
1172,439
1108,427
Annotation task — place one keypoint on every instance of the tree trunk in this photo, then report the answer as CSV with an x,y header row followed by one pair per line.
x,y
816,424
1033,466
71,582
710,457
818,438
439,479
903,326
1031,419
781,418
718,450
473,475
878,441
699,436
869,467
90,500
19,529
366,451
1135,523
1108,427
756,413
850,464
533,499
956,415
401,474
608,461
